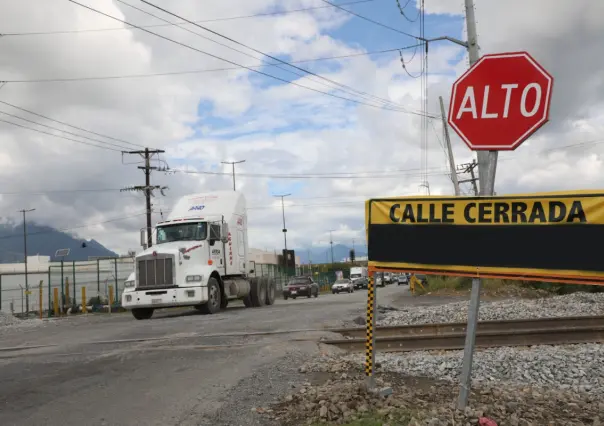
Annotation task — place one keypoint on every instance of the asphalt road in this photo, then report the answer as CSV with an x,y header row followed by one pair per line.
x,y
179,368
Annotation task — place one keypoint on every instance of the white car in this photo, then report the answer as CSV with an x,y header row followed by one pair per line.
x,y
342,286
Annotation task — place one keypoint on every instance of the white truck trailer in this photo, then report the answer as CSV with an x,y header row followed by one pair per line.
x,y
200,259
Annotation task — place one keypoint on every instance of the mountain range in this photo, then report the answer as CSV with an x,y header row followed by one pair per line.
x,y
45,241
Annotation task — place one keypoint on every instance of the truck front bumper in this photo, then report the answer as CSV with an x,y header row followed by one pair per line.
x,y
164,298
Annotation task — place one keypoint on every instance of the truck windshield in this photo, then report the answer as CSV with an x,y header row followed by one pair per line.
x,y
182,232
355,275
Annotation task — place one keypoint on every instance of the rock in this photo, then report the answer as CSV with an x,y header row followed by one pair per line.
x,y
360,320
289,398
302,369
323,411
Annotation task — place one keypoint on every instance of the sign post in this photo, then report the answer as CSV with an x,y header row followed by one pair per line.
x,y
370,332
495,105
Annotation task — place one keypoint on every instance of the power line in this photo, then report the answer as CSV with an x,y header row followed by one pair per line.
x,y
402,10
58,191
58,136
64,131
372,21
274,58
239,65
306,176
69,125
284,12
161,74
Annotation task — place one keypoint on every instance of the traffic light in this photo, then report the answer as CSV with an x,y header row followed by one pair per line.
x,y
351,255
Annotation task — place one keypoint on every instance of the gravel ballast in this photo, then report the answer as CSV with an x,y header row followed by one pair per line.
x,y
576,304
8,321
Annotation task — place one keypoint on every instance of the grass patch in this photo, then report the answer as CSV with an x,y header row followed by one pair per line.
x,y
443,284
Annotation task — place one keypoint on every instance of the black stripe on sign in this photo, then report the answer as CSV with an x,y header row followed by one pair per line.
x,y
553,247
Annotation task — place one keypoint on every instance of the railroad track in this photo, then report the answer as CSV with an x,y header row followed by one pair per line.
x,y
451,336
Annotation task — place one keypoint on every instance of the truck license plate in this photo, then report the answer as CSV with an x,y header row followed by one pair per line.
x,y
155,301
294,292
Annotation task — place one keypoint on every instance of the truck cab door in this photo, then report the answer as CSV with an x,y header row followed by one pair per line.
x,y
217,252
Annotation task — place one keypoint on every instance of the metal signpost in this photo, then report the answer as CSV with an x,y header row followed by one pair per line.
x,y
62,253
495,105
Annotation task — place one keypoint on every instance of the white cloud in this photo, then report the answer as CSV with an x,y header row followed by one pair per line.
x,y
278,129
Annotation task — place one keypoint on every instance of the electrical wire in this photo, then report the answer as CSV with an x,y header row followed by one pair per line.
x,y
285,12
62,137
236,64
115,77
71,125
64,131
402,10
373,21
349,90
405,67
60,191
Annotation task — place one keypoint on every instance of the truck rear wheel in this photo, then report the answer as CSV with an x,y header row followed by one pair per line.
x,y
258,292
142,313
212,306
270,291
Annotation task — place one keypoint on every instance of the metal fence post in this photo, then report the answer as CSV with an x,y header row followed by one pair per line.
x,y
84,302
116,285
62,288
0,292
49,291
98,278
41,297
75,299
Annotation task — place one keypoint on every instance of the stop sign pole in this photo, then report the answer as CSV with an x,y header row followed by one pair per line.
x,y
501,78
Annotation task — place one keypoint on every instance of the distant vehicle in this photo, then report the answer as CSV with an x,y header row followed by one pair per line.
x,y
387,277
379,280
342,286
358,276
402,279
301,286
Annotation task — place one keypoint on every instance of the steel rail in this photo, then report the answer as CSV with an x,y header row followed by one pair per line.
x,y
460,327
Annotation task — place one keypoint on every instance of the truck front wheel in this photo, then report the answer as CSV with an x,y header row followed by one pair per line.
x,y
270,291
142,313
212,306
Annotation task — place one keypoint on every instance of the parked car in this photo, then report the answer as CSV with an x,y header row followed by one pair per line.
x,y
300,286
387,277
379,281
342,286
402,279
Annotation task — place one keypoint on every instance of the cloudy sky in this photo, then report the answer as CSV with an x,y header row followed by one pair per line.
x,y
331,141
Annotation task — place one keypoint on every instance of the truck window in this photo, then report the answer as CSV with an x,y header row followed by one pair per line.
x,y
195,231
215,231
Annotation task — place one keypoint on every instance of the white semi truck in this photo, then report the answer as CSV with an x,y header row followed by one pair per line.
x,y
200,259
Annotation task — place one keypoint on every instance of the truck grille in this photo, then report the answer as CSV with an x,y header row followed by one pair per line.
x,y
155,272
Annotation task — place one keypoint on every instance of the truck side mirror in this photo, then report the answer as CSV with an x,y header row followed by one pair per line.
x,y
143,237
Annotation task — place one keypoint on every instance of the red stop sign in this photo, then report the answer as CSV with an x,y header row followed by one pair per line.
x,y
500,101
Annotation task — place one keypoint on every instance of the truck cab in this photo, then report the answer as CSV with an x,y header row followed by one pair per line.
x,y
199,259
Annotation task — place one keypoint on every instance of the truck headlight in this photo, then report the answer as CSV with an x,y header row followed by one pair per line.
x,y
193,278
129,284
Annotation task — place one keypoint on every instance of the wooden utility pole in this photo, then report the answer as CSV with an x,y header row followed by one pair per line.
x,y
147,189
449,148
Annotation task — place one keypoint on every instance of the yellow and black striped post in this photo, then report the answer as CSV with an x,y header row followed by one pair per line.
x,y
370,343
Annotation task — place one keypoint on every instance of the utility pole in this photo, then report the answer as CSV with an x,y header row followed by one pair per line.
x,y
331,244
25,257
487,166
147,189
469,168
232,163
284,228
449,148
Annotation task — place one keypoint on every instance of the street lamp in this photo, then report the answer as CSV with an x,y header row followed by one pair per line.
x,y
232,163
283,211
